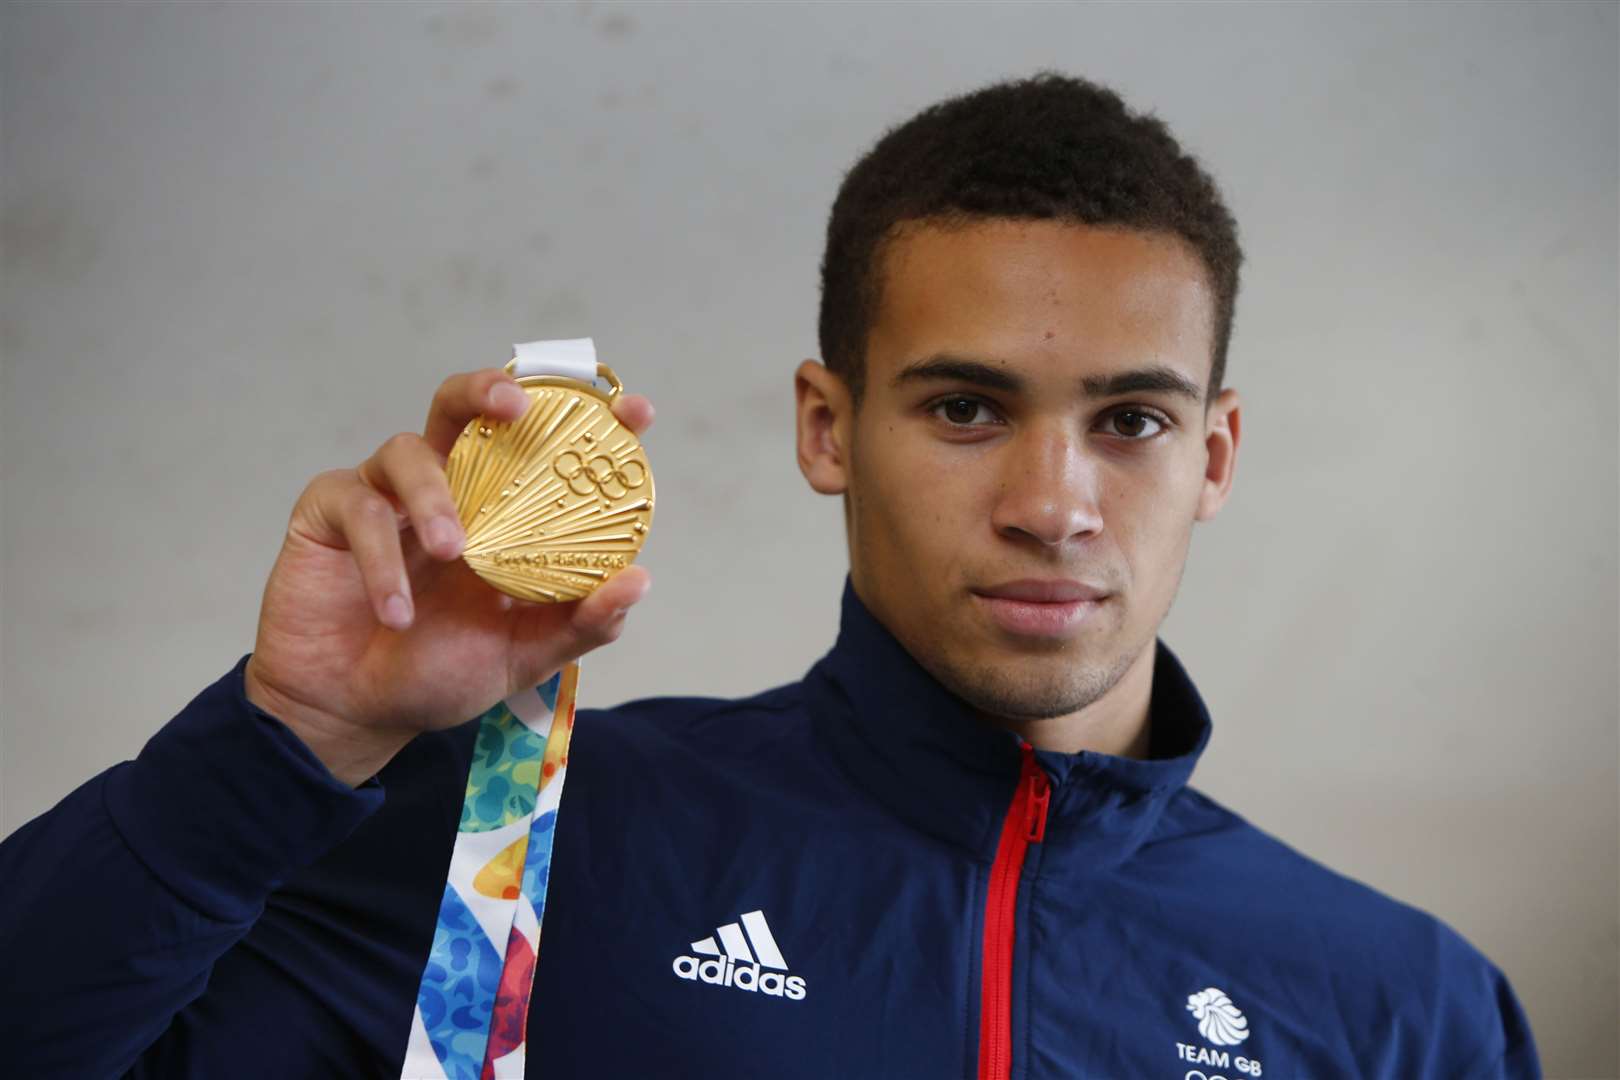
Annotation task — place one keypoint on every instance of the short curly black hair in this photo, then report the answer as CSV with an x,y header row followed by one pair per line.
x,y
1047,147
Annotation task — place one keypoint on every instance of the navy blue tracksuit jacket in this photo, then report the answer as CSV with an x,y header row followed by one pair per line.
x,y
930,897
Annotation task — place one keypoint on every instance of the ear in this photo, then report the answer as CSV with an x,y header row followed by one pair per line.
x,y
1222,430
825,416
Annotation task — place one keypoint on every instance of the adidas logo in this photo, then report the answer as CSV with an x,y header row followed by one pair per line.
x,y
751,960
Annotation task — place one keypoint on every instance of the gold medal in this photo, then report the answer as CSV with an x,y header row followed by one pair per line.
x,y
558,501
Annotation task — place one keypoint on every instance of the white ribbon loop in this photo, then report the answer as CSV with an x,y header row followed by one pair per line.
x,y
574,358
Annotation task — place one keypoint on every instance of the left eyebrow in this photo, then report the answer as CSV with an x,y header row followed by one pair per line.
x,y
1157,379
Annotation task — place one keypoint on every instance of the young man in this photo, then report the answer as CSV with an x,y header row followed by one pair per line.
x,y
963,843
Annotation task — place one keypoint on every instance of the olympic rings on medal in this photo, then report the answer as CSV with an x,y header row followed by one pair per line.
x,y
599,474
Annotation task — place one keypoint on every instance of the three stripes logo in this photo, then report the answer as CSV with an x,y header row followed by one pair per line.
x,y
750,960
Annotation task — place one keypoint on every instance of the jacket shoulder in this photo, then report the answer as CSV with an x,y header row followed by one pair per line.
x,y
1396,967
701,719
768,733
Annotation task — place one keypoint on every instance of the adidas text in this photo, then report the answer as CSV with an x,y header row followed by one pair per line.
x,y
723,971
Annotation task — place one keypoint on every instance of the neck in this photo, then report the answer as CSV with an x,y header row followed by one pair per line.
x,y
1117,723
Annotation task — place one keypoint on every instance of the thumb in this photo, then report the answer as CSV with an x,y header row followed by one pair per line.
x,y
551,642
599,617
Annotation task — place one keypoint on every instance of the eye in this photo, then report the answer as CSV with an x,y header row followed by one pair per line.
x,y
1134,418
962,411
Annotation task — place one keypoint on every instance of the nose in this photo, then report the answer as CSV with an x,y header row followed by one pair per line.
x,y
1048,488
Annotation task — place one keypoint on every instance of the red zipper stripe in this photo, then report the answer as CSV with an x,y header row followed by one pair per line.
x,y
1025,825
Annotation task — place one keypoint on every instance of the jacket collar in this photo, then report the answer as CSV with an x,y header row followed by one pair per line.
x,y
922,752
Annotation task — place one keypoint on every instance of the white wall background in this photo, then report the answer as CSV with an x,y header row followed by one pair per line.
x,y
244,242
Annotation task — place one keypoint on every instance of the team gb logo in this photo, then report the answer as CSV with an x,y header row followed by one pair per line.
x,y
1219,1021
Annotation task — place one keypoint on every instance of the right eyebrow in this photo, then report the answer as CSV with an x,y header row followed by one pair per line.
x,y
943,367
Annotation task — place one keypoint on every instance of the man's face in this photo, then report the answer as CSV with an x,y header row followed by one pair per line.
x,y
993,472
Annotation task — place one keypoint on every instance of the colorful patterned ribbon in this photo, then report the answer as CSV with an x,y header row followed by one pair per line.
x,y
473,1002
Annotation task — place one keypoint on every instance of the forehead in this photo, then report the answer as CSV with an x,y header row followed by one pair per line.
x,y
1027,291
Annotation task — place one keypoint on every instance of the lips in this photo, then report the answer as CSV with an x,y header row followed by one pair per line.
x,y
1044,591
1041,608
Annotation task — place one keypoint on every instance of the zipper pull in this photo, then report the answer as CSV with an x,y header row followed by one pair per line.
x,y
1037,796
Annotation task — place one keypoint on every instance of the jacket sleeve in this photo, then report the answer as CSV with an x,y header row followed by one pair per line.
x,y
117,902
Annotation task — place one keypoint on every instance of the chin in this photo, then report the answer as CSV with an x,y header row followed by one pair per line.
x,y
1038,694
1029,679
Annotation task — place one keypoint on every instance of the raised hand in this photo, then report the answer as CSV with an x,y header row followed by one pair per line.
x,y
372,629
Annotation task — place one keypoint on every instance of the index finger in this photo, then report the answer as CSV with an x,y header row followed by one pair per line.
x,y
462,398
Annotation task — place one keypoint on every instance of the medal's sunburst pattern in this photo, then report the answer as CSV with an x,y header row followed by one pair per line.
x,y
555,503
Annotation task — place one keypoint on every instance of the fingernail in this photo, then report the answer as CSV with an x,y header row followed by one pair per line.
x,y
509,397
397,609
444,535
